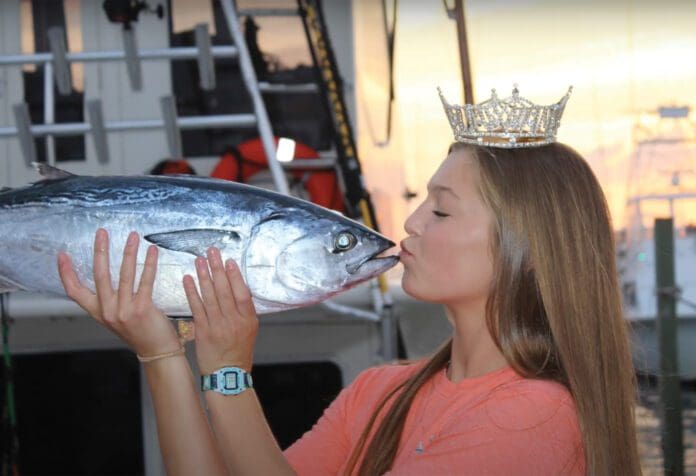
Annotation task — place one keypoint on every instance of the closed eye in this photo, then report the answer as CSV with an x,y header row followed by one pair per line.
x,y
440,214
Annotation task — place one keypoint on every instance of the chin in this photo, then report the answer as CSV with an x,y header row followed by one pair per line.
x,y
417,293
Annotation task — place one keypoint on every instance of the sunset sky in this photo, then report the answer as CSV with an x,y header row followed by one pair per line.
x,y
624,59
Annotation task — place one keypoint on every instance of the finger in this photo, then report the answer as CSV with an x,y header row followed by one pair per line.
x,y
147,279
127,275
221,283
242,294
101,267
205,282
85,298
195,303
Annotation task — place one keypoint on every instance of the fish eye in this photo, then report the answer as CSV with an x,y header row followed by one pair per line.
x,y
344,241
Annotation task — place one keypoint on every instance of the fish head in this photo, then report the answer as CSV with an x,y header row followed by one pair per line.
x,y
298,259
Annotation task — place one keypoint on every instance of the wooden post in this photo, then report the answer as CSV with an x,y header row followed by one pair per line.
x,y
668,381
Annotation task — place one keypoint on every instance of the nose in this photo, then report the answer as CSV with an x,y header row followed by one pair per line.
x,y
411,225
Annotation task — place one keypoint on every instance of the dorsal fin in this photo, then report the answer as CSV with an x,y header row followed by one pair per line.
x,y
48,172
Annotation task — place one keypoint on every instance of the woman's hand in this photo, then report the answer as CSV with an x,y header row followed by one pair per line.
x,y
223,313
129,314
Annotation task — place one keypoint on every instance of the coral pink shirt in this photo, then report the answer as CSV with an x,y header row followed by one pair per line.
x,y
496,424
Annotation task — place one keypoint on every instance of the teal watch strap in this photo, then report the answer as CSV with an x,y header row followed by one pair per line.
x,y
227,380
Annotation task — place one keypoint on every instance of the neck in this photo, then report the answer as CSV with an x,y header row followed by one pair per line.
x,y
473,351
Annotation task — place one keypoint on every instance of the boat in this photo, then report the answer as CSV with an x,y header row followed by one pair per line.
x,y
114,91
661,184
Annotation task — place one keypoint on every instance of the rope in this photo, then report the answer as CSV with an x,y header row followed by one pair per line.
x,y
676,294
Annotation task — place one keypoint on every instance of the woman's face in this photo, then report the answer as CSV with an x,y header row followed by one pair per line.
x,y
446,256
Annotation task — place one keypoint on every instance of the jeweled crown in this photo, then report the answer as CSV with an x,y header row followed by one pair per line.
x,y
510,122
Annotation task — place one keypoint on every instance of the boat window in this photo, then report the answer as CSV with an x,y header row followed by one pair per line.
x,y
37,16
629,294
79,412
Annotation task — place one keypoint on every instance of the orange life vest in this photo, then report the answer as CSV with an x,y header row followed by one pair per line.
x,y
249,158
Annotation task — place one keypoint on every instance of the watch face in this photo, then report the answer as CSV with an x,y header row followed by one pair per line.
x,y
230,382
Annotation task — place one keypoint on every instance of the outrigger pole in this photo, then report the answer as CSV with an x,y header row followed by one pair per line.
x,y
457,14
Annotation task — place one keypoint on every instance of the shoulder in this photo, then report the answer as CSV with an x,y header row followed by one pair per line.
x,y
375,382
528,403
388,373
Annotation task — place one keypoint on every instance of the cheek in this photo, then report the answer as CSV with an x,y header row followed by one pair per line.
x,y
450,267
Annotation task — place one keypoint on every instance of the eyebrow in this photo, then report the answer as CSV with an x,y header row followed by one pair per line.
x,y
441,189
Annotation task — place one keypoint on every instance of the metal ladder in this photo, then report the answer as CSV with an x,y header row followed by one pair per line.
x,y
346,165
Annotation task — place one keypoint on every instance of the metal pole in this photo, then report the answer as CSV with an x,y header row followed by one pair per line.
x,y
49,112
467,82
252,85
130,48
668,380
178,53
76,128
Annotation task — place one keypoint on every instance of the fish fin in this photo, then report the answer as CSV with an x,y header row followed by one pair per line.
x,y
195,242
48,172
7,286
5,189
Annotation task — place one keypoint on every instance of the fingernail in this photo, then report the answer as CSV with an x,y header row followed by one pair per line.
x,y
132,238
200,262
230,264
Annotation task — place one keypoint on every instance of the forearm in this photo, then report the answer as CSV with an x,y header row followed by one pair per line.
x,y
244,437
186,440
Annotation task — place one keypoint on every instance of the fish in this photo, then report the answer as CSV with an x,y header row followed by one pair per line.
x,y
291,252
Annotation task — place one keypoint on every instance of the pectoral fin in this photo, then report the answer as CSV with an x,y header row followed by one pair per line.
x,y
195,242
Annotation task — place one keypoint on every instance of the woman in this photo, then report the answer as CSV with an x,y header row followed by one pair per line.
x,y
536,379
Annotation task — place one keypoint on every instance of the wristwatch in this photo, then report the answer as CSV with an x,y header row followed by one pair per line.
x,y
227,381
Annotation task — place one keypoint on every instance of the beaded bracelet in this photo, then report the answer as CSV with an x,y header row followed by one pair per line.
x,y
178,351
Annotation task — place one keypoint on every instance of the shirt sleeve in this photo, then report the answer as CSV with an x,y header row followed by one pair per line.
x,y
325,448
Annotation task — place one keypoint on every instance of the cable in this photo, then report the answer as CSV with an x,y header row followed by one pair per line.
x,y
690,304
10,440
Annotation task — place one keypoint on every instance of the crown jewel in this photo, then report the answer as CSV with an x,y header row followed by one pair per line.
x,y
510,122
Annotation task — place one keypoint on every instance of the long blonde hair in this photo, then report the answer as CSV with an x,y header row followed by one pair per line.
x,y
554,309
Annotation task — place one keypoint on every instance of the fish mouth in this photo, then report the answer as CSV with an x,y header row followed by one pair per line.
x,y
375,264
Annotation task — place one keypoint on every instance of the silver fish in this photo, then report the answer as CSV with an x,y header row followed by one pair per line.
x,y
292,253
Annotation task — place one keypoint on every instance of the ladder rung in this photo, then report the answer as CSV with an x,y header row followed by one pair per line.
x,y
266,87
322,163
177,53
190,122
269,12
